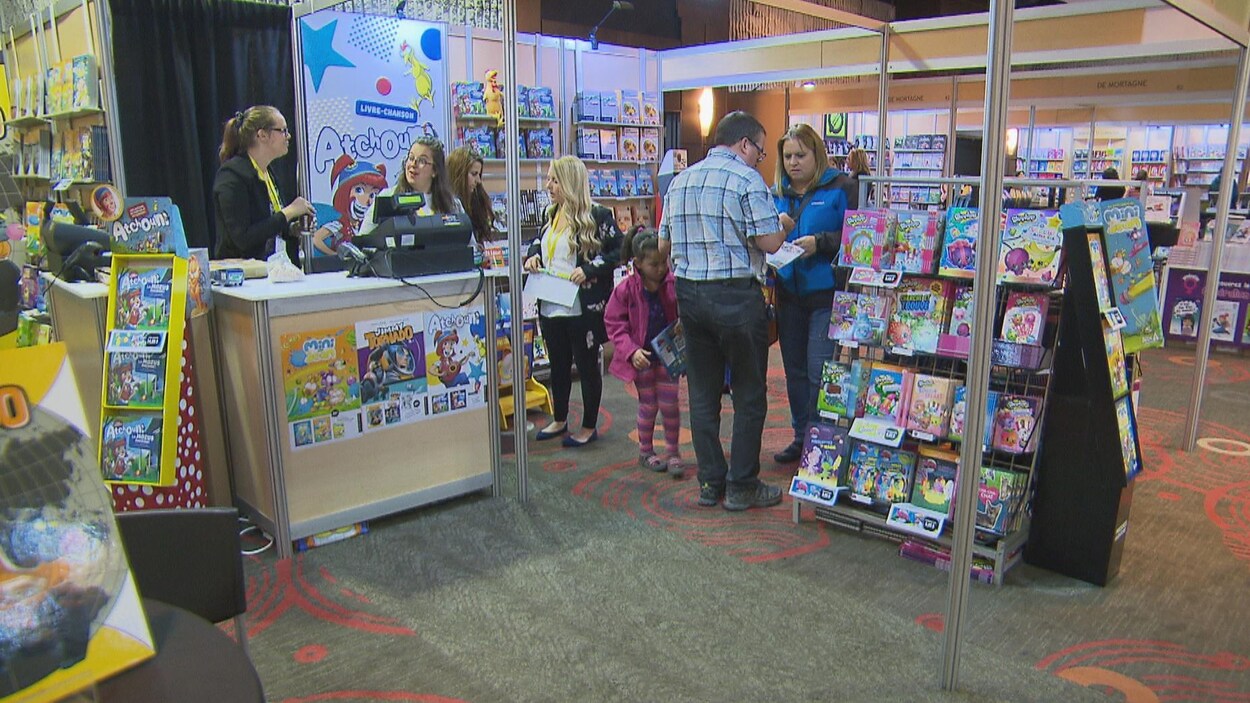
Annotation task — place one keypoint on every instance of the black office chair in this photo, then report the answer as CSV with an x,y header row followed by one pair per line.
x,y
190,559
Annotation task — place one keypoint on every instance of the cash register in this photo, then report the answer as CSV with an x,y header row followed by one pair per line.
x,y
405,243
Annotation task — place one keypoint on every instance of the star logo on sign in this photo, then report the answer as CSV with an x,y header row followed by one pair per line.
x,y
319,52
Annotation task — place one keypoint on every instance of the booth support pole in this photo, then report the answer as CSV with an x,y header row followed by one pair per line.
x,y
302,176
108,91
1089,146
1228,192
515,254
948,159
1028,154
883,97
997,87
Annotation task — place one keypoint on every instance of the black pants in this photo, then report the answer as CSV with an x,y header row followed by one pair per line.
x,y
569,341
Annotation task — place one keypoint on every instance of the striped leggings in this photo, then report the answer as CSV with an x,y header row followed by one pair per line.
x,y
657,393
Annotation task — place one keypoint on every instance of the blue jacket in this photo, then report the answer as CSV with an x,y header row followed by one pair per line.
x,y
821,218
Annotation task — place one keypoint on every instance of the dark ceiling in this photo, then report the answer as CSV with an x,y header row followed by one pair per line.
x,y
661,24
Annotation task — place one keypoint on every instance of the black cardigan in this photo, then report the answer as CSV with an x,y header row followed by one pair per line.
x,y
245,225
599,270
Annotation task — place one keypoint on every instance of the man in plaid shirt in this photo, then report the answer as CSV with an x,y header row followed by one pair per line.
x,y
718,222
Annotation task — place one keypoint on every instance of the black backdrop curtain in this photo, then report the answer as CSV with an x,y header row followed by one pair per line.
x,y
183,67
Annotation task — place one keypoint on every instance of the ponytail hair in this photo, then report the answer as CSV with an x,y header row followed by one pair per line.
x,y
240,130
639,242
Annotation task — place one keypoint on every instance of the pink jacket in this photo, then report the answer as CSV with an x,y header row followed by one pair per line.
x,y
626,320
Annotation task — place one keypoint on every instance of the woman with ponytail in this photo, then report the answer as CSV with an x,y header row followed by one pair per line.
x,y
248,208
582,243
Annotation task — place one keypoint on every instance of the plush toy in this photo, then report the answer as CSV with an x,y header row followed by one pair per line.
x,y
492,93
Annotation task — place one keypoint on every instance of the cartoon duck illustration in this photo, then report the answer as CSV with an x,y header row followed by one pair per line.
x,y
421,79
492,93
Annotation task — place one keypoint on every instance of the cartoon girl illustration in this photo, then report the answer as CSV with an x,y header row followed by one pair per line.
x,y
355,185
197,286
448,368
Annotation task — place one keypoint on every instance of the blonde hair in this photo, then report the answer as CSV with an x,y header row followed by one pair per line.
x,y
240,131
570,172
857,162
806,137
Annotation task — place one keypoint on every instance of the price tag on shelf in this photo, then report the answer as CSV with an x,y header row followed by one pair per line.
x,y
916,520
903,351
878,431
864,276
829,415
814,492
62,184
850,344
1115,318
924,436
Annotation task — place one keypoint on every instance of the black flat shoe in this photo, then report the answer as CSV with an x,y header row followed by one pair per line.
x,y
790,454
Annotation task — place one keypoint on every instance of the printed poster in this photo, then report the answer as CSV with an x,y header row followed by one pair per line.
x,y
372,85
1182,306
321,385
455,360
391,356
1132,274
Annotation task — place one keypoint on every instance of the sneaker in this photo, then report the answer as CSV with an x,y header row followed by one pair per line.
x,y
790,454
761,496
710,494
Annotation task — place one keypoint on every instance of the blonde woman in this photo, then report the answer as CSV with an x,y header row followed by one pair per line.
x,y
580,241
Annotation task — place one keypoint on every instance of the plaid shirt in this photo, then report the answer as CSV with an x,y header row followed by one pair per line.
x,y
710,210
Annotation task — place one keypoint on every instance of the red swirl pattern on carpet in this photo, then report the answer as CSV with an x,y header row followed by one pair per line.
x,y
1120,664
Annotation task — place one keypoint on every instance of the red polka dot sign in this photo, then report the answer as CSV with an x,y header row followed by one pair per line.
x,y
189,491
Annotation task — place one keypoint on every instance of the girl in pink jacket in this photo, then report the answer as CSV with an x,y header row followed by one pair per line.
x,y
639,309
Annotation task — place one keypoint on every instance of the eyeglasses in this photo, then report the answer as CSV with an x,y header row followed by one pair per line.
x,y
421,161
284,130
758,148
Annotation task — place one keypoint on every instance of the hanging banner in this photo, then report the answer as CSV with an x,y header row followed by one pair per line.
x,y
372,86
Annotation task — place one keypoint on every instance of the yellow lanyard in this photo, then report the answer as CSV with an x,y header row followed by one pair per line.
x,y
275,203
555,234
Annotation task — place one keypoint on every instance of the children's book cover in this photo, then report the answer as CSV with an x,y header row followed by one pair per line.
x,y
918,313
1132,274
143,298
825,451
959,413
319,373
390,355
670,348
1029,251
650,144
934,485
149,226
916,238
131,446
893,479
842,317
607,145
629,107
1127,427
1115,360
840,386
960,322
999,496
630,149
542,103
959,244
1224,320
1102,287
1015,423
872,316
866,239
930,407
136,380
650,108
887,392
1025,318
861,473
455,359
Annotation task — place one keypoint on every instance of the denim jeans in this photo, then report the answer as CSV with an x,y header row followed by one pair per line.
x,y
803,334
725,327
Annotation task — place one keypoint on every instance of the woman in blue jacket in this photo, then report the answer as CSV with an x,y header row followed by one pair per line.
x,y
809,193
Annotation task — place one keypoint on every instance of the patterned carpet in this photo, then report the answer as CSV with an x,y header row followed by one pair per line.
x,y
612,585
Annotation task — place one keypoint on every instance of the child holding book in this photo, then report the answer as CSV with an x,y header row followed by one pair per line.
x,y
640,309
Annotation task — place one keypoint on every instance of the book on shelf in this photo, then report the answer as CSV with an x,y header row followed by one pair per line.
x,y
934,484
825,451
1031,247
1024,320
959,244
